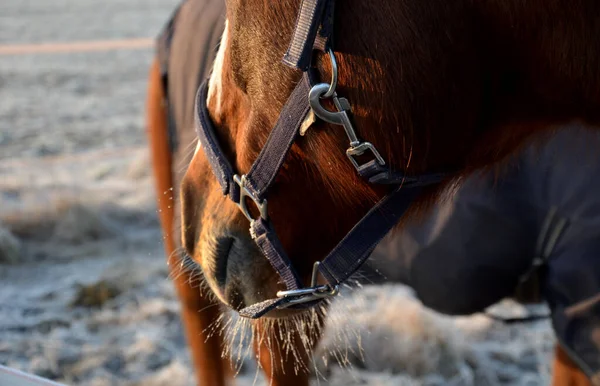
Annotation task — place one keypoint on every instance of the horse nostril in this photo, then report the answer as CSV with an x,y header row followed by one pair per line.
x,y
222,248
234,298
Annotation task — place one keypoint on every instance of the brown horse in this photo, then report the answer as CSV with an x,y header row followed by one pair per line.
x,y
436,87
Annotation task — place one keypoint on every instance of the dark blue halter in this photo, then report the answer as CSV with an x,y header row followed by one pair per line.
x,y
313,32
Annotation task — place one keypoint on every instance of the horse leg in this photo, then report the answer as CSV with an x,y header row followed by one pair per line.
x,y
283,366
198,312
565,372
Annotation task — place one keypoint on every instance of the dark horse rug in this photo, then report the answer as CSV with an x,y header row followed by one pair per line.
x,y
531,231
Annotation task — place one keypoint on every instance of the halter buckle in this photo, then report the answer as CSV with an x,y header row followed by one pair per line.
x,y
309,294
245,192
360,149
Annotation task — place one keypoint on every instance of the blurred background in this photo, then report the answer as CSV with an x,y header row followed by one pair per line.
x,y
84,293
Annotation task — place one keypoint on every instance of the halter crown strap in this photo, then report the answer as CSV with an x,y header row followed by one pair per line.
x,y
313,14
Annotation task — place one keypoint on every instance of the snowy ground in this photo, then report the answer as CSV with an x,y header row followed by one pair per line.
x,y
85,297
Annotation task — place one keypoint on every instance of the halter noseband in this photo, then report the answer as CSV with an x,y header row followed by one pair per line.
x,y
313,31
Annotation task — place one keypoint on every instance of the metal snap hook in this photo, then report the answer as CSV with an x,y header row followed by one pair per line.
x,y
334,76
340,117
245,192
315,95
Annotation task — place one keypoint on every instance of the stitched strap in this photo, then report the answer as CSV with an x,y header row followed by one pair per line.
x,y
354,249
208,141
271,247
273,154
309,20
257,310
376,173
324,38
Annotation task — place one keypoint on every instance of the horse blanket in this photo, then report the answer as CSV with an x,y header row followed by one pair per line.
x,y
538,222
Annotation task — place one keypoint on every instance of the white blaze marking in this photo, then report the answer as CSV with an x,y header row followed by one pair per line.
x,y
215,83
198,146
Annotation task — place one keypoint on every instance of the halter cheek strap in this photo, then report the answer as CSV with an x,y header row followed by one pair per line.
x,y
314,28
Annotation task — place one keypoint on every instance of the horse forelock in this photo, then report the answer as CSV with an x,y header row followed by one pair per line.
x,y
215,96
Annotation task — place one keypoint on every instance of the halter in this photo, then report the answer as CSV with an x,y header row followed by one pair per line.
x,y
313,31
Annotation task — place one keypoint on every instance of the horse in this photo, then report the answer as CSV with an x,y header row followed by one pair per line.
x,y
453,88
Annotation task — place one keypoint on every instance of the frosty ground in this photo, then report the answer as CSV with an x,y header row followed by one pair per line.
x,y
85,297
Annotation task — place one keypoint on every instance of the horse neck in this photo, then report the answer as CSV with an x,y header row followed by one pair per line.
x,y
465,84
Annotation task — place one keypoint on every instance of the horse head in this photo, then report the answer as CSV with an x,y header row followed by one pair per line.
x,y
418,77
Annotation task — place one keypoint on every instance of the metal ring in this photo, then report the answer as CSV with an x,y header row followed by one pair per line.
x,y
334,75
261,205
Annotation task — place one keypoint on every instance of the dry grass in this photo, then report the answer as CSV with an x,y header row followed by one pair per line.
x,y
10,246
